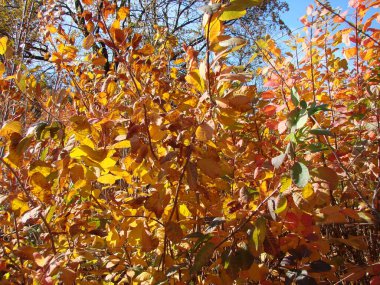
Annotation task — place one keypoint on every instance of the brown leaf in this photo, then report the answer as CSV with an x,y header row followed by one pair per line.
x,y
157,202
192,176
148,242
174,232
88,41
210,167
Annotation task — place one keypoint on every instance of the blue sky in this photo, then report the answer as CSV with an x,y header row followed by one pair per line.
x,y
297,8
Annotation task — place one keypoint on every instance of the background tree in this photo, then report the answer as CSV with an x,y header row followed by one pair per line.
x,y
19,22
180,19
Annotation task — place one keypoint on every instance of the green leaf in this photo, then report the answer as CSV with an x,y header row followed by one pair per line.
x,y
322,132
295,97
297,119
302,119
314,109
317,147
258,235
303,104
202,258
300,174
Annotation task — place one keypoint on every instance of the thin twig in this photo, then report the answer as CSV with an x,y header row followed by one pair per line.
x,y
349,23
242,224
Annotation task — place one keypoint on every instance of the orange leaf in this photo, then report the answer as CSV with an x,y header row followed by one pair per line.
x,y
269,110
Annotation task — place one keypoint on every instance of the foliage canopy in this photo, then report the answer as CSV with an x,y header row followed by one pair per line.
x,y
151,171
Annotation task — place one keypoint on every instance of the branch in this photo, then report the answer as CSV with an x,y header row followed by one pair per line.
x,y
238,228
348,22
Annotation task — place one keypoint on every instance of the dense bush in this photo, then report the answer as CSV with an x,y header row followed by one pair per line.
x,y
147,170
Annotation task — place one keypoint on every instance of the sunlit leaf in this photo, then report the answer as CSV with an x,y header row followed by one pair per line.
x,y
123,13
122,144
10,127
204,132
20,204
39,259
108,179
3,45
286,182
184,211
307,191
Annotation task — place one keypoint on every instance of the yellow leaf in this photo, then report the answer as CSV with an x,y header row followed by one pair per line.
x,y
122,144
40,167
108,162
86,151
123,13
195,79
88,41
307,191
10,128
113,238
108,179
111,88
51,29
20,203
156,133
215,30
230,14
41,187
3,45
204,132
184,211
77,153
286,182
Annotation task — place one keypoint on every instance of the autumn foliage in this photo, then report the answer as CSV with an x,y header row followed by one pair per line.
x,y
141,169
